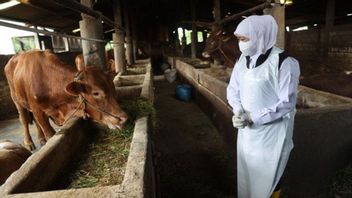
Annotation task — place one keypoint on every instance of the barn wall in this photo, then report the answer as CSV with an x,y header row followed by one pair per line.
x,y
7,107
340,50
306,47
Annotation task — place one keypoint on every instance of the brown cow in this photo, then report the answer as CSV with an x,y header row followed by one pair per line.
x,y
79,60
40,83
12,156
110,61
222,45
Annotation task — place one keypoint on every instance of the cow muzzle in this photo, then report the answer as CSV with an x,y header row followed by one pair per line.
x,y
116,122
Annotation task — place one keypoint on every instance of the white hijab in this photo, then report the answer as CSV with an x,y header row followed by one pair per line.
x,y
262,30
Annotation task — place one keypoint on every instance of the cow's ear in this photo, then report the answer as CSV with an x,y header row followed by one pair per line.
x,y
79,62
75,88
80,66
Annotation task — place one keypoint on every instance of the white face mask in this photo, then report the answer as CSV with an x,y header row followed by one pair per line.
x,y
247,48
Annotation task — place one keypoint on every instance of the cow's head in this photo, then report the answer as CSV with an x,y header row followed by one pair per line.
x,y
222,45
213,43
96,89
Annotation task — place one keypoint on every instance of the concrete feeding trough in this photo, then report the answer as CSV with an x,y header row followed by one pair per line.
x,y
39,172
197,63
322,131
128,86
131,85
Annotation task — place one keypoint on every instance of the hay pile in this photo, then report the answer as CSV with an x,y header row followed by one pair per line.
x,y
104,160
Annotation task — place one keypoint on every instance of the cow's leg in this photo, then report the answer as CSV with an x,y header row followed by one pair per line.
x,y
25,120
44,124
40,134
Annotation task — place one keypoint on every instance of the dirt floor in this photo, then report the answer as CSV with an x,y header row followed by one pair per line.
x,y
192,159
12,129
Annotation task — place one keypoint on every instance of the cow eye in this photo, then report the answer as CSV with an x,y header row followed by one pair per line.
x,y
223,33
96,94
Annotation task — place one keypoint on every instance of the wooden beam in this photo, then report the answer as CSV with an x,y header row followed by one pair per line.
x,y
246,2
199,23
77,7
250,10
47,32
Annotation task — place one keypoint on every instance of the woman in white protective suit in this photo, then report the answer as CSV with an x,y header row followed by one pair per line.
x,y
262,92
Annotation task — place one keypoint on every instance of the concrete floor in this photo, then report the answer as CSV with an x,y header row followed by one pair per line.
x,y
193,160
12,130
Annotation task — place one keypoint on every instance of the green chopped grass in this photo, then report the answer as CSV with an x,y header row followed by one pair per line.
x,y
103,161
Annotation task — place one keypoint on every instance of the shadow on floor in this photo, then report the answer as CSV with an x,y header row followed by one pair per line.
x,y
192,159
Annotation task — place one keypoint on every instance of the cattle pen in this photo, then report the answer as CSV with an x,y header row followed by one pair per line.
x,y
129,98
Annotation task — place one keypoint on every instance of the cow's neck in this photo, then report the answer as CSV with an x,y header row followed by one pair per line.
x,y
75,109
229,52
66,105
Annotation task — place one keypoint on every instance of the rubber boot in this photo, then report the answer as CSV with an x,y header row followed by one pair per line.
x,y
276,194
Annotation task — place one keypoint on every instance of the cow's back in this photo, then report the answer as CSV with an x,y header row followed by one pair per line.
x,y
12,156
21,72
34,76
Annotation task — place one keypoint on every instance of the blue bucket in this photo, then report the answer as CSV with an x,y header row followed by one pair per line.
x,y
183,92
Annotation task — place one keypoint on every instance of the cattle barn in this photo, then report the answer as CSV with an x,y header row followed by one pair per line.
x,y
129,98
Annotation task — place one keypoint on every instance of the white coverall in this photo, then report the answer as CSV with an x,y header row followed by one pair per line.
x,y
268,94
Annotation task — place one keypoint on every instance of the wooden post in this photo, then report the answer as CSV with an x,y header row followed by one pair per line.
x,y
204,36
177,43
329,23
183,41
134,38
216,13
128,39
93,52
118,37
278,12
194,34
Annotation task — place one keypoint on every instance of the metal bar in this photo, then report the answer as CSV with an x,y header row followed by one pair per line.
x,y
108,31
47,32
78,7
235,16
